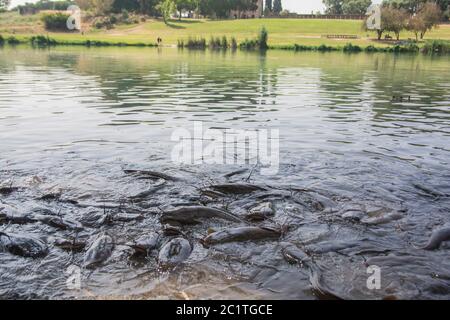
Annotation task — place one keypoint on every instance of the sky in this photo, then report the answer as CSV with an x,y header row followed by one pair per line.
x,y
300,6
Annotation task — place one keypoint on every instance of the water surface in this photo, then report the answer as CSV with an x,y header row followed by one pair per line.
x,y
72,119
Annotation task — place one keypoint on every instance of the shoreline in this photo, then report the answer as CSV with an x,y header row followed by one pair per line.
x,y
431,46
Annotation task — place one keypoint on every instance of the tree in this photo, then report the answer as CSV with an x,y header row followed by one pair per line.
x,y
394,20
269,5
83,4
333,6
181,5
430,14
4,5
414,6
411,6
166,8
277,6
144,6
416,25
102,7
355,6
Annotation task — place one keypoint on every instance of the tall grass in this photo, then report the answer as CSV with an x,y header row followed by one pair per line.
x,y
214,43
261,42
193,43
436,46
12,40
42,41
351,48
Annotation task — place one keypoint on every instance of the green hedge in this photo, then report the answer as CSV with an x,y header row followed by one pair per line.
x,y
351,48
55,21
12,40
436,46
42,41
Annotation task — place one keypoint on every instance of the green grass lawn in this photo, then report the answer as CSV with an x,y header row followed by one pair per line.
x,y
10,21
282,32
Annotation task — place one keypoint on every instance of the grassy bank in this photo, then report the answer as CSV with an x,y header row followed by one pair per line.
x,y
428,47
46,40
282,32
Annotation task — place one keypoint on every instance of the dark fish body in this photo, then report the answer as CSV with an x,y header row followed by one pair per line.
x,y
333,246
241,234
383,219
21,245
50,197
152,174
234,173
171,231
212,194
100,250
70,245
96,219
261,212
237,188
146,243
174,252
8,190
190,215
437,237
9,214
127,217
58,222
353,215
293,254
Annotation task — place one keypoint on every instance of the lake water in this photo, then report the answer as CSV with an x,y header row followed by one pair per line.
x,y
362,178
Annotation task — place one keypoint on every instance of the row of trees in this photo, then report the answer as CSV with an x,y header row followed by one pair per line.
x,y
273,7
417,16
216,8
4,4
360,6
346,6
418,20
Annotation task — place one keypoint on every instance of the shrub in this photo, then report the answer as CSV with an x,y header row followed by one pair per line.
x,y
215,43
12,40
42,41
371,48
55,21
263,38
259,43
193,43
224,42
351,48
436,46
113,19
324,48
103,22
249,44
2,40
404,48
298,47
234,44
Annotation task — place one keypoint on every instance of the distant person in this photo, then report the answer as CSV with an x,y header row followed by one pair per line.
x,y
159,40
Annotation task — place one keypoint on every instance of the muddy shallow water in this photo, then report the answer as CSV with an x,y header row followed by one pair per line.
x,y
363,178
